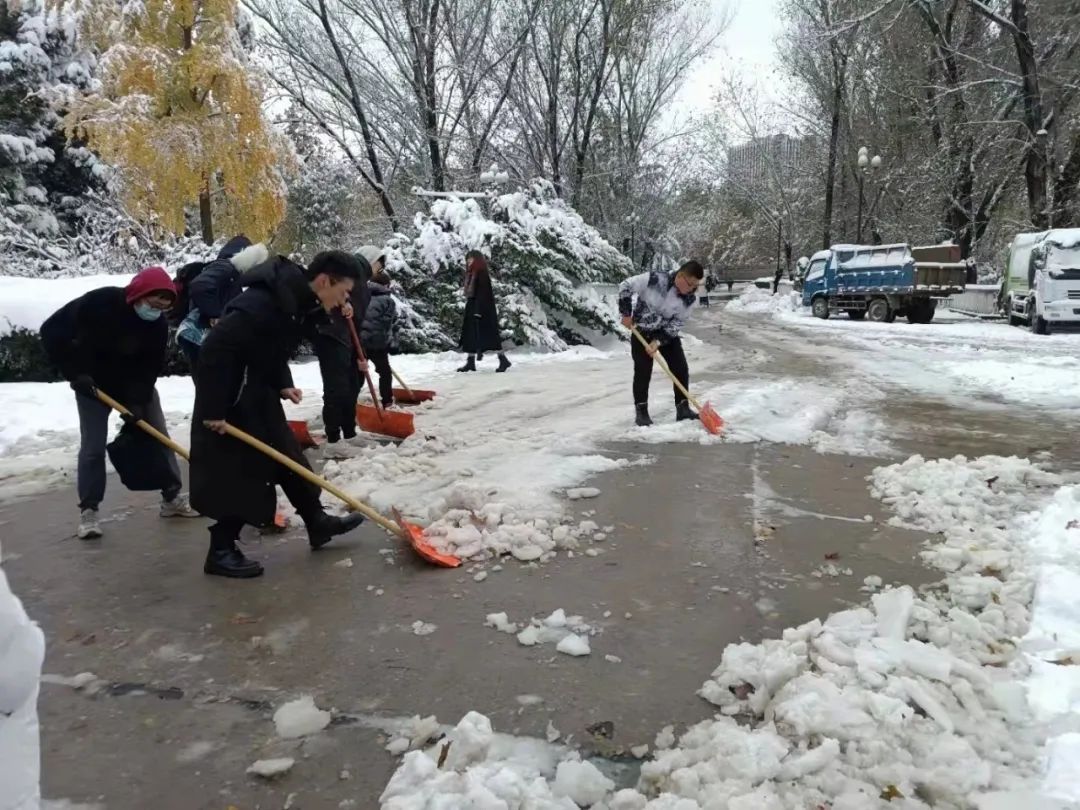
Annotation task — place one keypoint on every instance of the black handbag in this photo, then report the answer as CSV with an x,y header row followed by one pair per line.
x,y
141,461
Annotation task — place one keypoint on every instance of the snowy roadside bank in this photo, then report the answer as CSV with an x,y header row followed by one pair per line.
x,y
964,695
954,357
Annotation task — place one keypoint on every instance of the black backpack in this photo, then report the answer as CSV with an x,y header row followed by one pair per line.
x,y
184,276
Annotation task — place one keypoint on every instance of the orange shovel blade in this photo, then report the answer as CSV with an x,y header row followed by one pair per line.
x,y
414,396
303,435
712,420
388,423
415,535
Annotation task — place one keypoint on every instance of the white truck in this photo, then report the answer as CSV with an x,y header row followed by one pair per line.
x,y
1041,288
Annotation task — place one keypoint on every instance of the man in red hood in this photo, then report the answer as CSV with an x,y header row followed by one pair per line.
x,y
114,338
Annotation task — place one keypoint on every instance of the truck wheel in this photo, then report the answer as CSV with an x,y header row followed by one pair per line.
x,y
1015,320
878,311
856,314
1039,325
820,307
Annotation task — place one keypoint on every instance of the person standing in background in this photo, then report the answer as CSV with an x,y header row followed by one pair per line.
x,y
480,327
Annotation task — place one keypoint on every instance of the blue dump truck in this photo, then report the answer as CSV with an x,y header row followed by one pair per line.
x,y
880,282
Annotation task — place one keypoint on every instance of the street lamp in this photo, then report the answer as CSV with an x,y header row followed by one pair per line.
x,y
866,163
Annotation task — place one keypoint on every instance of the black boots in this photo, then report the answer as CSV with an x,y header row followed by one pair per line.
x,y
683,412
323,527
504,363
231,562
643,419
470,364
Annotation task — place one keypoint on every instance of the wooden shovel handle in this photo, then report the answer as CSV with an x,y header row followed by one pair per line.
x,y
660,361
367,374
144,425
401,382
318,481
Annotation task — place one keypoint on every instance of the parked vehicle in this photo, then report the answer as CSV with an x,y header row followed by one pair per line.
x,y
1041,288
879,282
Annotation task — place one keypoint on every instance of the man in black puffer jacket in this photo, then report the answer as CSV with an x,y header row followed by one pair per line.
x,y
242,376
333,346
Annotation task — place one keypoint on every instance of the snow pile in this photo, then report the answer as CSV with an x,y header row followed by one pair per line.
x,y
26,302
475,767
758,301
541,252
570,634
829,418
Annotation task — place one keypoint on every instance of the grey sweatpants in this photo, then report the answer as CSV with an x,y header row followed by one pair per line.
x,y
94,435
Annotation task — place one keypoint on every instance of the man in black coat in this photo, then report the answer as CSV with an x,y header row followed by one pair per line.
x,y
114,338
333,346
480,331
243,375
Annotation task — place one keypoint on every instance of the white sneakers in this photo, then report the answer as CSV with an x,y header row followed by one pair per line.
x,y
177,507
89,528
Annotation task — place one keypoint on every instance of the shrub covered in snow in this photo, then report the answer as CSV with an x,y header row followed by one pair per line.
x,y
541,253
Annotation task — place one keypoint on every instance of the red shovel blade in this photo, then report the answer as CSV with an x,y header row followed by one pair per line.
x,y
303,435
711,420
389,423
412,396
415,535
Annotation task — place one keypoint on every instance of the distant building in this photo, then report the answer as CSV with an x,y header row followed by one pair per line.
x,y
757,161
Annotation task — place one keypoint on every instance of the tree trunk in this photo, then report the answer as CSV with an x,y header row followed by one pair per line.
x,y
206,214
1035,167
830,169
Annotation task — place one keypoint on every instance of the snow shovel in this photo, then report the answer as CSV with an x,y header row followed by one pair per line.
x,y
377,419
410,396
409,532
709,417
300,430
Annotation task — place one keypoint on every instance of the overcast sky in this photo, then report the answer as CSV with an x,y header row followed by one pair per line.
x,y
747,45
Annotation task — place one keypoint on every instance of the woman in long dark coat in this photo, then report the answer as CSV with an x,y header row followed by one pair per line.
x,y
480,328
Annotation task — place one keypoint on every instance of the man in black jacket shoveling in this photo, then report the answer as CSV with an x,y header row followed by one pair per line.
x,y
333,346
243,375
114,338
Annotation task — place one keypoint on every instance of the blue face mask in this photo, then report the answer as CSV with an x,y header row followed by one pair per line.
x,y
147,312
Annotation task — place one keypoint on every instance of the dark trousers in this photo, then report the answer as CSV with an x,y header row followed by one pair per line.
x,y
94,435
381,361
672,352
302,494
341,386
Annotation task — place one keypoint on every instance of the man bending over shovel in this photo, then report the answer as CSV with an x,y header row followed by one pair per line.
x,y
663,304
242,377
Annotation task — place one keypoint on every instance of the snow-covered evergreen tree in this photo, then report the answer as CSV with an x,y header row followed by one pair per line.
x,y
42,174
543,255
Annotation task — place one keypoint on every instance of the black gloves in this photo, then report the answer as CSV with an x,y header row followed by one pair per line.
x,y
84,384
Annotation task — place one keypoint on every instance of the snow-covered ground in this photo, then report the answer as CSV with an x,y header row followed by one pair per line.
x,y
955,357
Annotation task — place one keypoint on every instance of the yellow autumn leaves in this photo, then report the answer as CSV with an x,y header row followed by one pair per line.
x,y
179,114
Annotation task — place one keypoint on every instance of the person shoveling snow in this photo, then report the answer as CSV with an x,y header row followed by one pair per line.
x,y
658,316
